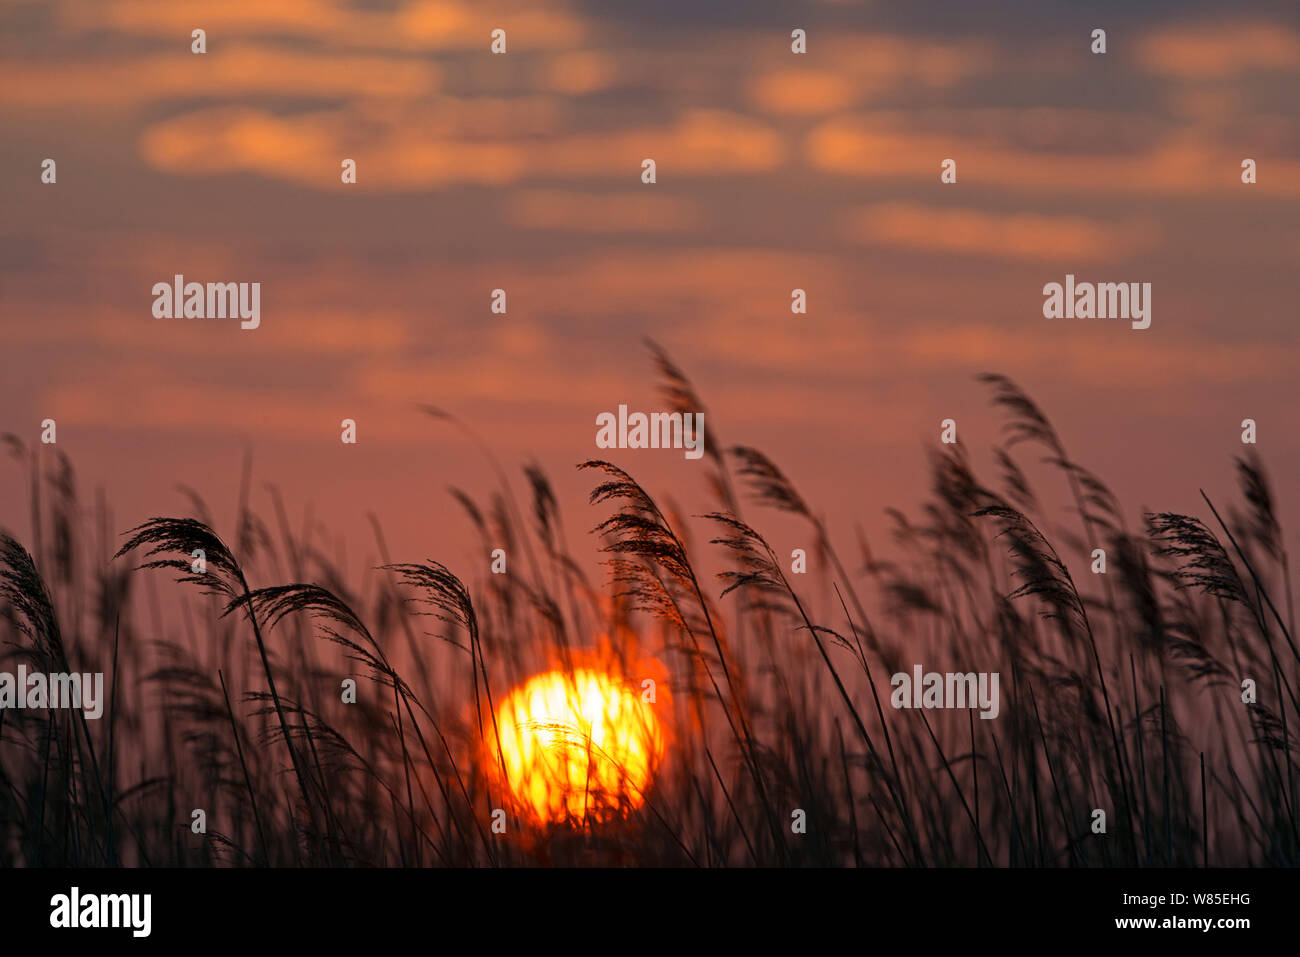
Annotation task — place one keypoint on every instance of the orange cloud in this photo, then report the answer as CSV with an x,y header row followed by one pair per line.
x,y
395,155
864,65
970,232
1096,355
891,147
803,91
700,142
606,212
1220,50
309,149
883,59
419,25
239,70
581,72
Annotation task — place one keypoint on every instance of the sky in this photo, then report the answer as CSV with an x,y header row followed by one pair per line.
x,y
522,171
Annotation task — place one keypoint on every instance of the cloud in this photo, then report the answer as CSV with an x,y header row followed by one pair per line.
x,y
599,213
578,73
1022,236
896,60
1095,355
307,148
803,91
863,66
1217,51
144,398
236,71
411,26
886,146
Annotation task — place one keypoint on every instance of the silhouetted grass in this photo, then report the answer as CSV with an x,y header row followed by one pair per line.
x,y
1120,691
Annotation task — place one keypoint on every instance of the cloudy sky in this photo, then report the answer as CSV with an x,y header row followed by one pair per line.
x,y
775,171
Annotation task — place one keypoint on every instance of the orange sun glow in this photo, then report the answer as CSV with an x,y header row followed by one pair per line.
x,y
580,746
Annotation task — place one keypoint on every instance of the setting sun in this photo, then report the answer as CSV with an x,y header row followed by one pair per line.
x,y
577,747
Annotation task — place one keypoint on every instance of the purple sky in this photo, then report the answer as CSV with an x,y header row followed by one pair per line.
x,y
775,171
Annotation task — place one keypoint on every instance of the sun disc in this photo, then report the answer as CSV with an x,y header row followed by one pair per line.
x,y
577,746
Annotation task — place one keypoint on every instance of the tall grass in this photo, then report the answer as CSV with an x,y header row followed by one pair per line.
x,y
1121,691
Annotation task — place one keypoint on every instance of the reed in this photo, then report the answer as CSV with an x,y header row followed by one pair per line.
x,y
1121,691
